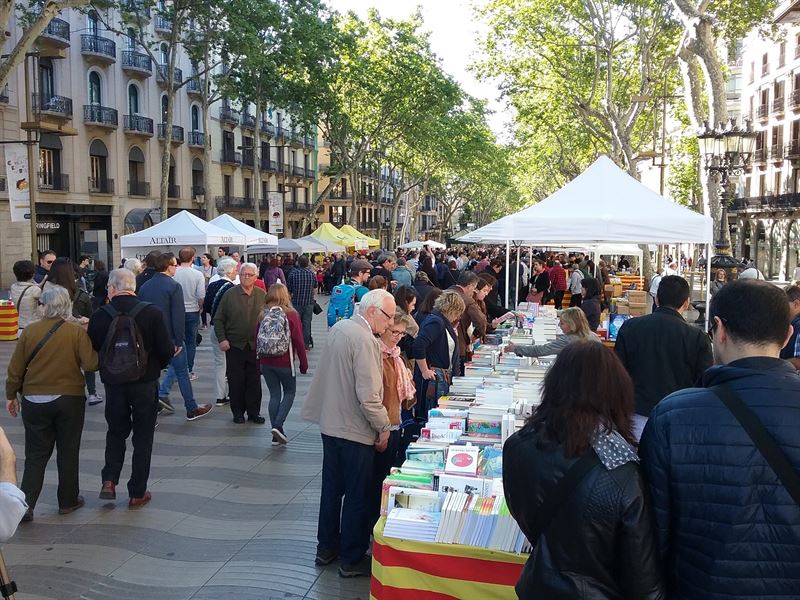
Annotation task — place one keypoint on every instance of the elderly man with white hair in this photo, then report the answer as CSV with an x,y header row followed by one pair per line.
x,y
346,400
235,324
226,279
130,406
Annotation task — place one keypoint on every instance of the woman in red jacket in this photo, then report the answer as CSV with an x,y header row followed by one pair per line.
x,y
279,371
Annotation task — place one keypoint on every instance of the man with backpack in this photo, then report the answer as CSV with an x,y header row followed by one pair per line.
x,y
722,460
346,295
134,346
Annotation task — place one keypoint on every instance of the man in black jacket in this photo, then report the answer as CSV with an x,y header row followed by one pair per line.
x,y
661,351
131,406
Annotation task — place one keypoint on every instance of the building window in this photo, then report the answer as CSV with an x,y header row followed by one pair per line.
x,y
93,23
95,97
133,99
164,103
47,164
164,54
765,64
195,118
98,174
248,187
782,54
130,39
47,86
227,187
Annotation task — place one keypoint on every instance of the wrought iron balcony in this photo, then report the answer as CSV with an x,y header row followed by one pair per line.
x,y
137,63
138,188
295,139
56,106
267,128
269,165
794,99
280,132
337,195
173,191
197,191
248,158
53,182
177,133
776,153
100,116
760,155
163,24
297,207
298,171
308,142
197,139
137,125
311,174
778,105
56,33
248,121
771,203
195,86
763,112
229,157
228,115
238,203
99,47
101,185
162,75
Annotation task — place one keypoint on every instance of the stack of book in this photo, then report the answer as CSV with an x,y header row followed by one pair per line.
x,y
411,524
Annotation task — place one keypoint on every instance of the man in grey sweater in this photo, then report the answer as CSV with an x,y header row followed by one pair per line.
x,y
346,400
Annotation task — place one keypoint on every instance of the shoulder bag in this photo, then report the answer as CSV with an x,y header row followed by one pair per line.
x,y
41,344
761,439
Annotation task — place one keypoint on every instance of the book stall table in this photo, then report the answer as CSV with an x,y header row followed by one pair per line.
x,y
411,570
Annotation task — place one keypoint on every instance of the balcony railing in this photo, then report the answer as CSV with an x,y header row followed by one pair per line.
x,y
137,62
162,74
137,124
248,121
248,158
311,174
336,195
238,203
173,191
3,184
267,128
229,157
280,131
197,191
101,185
59,106
56,32
779,202
194,86
794,99
778,105
763,112
95,45
177,133
163,24
102,116
308,141
138,188
197,139
53,182
298,171
760,155
776,152
269,165
297,206
228,115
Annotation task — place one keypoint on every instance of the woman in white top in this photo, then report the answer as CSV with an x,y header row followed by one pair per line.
x,y
25,294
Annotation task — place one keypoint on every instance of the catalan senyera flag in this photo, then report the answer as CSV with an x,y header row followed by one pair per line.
x,y
409,570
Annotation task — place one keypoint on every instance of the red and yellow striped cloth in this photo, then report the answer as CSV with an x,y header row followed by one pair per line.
x,y
411,570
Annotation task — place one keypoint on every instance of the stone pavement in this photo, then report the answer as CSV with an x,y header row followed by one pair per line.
x,y
231,516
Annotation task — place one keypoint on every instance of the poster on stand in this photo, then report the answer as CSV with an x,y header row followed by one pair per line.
x,y
19,198
276,213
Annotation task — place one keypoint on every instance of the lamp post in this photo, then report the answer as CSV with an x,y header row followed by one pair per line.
x,y
388,233
727,151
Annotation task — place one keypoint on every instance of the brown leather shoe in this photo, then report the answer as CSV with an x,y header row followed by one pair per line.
x,y
139,502
70,509
108,491
200,411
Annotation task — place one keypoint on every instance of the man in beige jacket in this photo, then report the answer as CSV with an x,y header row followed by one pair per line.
x,y
346,400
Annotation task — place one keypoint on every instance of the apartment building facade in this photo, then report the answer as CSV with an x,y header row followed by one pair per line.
x,y
765,217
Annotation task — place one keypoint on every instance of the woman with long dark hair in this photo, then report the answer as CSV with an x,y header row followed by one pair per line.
x,y
590,302
573,484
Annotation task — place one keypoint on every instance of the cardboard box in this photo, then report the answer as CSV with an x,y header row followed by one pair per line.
x,y
637,311
637,296
623,309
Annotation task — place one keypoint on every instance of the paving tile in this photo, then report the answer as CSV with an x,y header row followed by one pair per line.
x,y
87,558
150,571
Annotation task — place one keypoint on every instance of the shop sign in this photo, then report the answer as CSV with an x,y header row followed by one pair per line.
x,y
163,241
47,226
19,200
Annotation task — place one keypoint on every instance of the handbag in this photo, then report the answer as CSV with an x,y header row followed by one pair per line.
x,y
317,308
762,440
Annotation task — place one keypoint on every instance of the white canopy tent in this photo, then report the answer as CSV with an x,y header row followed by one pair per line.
x,y
327,246
182,229
303,245
253,236
416,245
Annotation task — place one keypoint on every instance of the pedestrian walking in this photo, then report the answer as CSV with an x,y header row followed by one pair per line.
x,y
166,293
226,271
25,294
346,400
131,400
45,384
722,460
575,279
301,283
280,372
46,259
235,324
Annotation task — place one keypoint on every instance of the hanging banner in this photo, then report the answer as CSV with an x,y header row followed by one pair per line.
x,y
276,213
18,182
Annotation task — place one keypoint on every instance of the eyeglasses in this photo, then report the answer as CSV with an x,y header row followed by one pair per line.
x,y
49,262
387,315
713,327
396,333
247,274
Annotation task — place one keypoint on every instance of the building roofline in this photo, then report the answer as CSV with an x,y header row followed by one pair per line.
x,y
788,13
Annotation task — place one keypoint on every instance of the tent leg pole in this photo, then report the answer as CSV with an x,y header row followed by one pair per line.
x,y
519,260
508,266
708,283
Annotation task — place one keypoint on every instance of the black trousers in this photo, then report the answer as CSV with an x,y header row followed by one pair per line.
x,y
558,297
382,464
130,407
575,300
57,424
244,382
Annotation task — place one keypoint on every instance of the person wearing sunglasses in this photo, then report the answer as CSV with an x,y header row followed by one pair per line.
x,y
727,499
46,260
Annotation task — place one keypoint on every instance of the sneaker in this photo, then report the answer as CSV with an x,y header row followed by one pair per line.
x,y
70,509
238,420
222,401
325,557
258,420
94,399
362,568
139,502
165,404
277,434
200,411
192,376
108,491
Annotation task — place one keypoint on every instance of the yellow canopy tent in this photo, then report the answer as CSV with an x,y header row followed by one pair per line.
x,y
357,235
328,233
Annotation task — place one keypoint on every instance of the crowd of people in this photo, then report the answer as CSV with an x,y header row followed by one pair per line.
x,y
677,500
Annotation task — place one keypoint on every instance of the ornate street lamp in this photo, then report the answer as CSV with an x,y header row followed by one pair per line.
x,y
727,151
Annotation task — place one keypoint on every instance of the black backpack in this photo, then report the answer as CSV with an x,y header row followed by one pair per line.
x,y
123,358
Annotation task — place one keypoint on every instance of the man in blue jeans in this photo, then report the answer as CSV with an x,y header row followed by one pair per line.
x,y
301,284
163,291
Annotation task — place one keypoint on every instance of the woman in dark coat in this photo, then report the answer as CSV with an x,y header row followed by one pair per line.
x,y
590,292
597,541
422,286
426,266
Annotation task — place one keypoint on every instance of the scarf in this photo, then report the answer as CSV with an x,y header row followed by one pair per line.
x,y
405,385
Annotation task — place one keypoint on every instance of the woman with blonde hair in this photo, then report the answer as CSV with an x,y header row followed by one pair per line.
x,y
720,279
574,326
279,371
